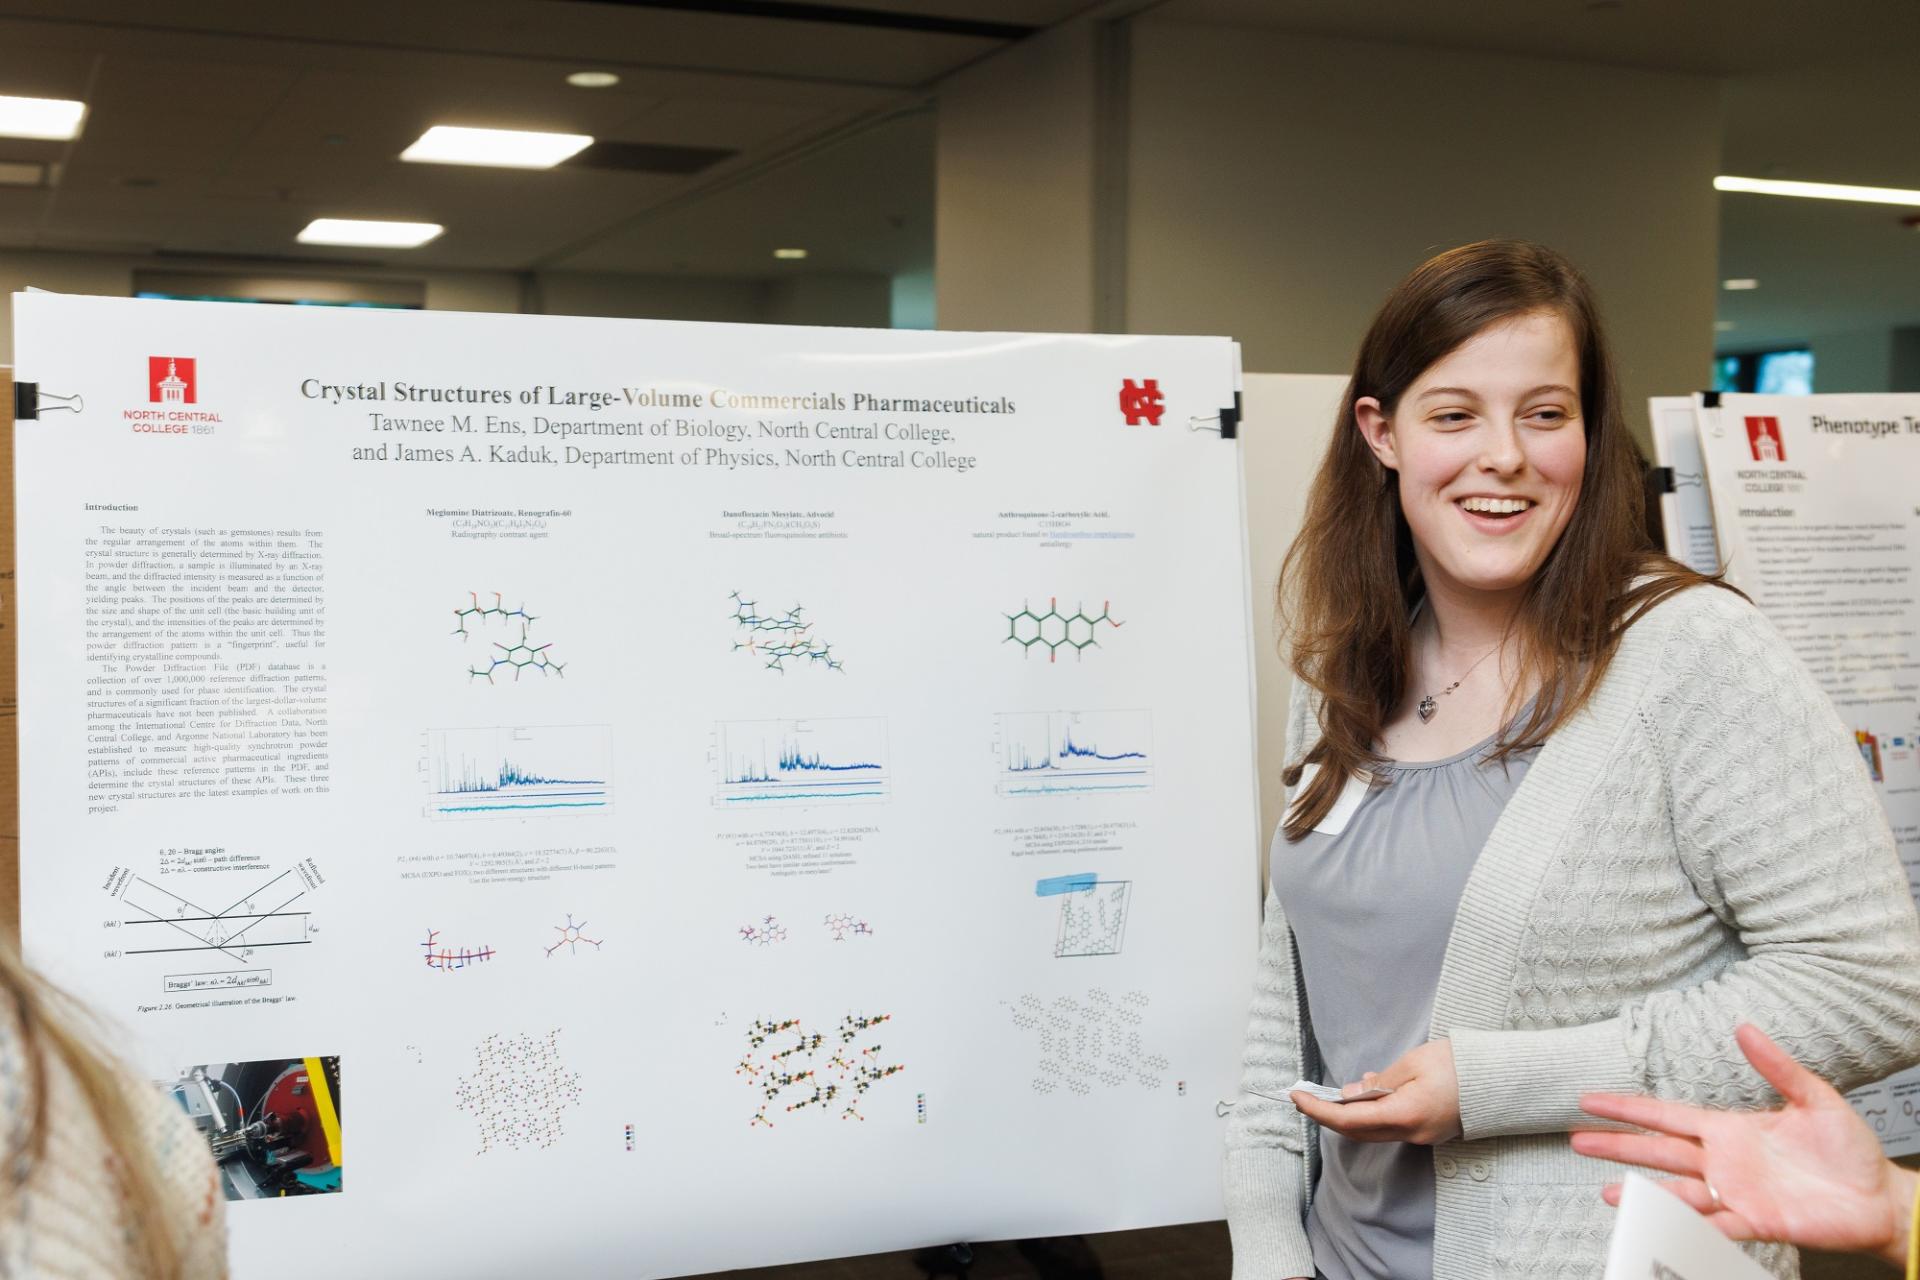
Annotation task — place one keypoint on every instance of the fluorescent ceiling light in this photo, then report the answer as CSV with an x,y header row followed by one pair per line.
x,y
364,234
593,79
53,118
790,255
1817,190
1738,286
15,174
503,148
1724,326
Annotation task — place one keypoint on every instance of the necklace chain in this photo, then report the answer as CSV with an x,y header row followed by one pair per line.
x,y
1429,705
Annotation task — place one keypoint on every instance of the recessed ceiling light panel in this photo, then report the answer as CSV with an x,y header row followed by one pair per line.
x,y
54,119
362,234
1740,285
500,148
14,173
790,255
1817,190
593,79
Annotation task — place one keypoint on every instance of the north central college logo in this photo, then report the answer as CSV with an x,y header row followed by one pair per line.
x,y
170,380
1142,402
1763,437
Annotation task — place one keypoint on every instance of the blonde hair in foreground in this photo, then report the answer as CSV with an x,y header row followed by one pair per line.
x,y
50,1039
1350,580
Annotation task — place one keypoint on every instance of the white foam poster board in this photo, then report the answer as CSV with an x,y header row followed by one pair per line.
x,y
1686,513
663,797
1815,513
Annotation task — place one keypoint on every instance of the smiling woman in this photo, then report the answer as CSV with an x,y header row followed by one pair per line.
x,y
1562,813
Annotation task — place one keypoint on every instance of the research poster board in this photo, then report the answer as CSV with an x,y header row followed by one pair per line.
x,y
663,797
1816,515
1686,513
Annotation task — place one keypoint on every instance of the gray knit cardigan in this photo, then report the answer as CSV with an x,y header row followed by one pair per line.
x,y
1700,846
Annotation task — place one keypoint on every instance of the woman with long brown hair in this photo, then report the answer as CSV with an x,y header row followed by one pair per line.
x,y
1562,814
104,1178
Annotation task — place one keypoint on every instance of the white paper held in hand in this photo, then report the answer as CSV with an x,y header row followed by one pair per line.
x,y
1657,1234
1331,1093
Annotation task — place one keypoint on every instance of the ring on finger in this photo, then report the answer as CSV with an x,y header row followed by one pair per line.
x,y
1713,1195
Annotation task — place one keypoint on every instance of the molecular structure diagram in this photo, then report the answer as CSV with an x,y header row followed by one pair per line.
x,y
764,934
780,640
481,614
518,1091
1084,1043
571,937
1093,921
447,960
1055,629
843,926
518,656
845,1077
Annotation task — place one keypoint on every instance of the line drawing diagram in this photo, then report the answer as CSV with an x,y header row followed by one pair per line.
x,y
518,771
571,937
1056,753
1090,1043
781,638
446,959
477,619
519,1091
843,926
1093,920
1057,630
784,1059
765,934
162,922
773,762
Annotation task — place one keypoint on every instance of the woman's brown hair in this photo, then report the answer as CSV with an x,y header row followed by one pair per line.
x,y
1349,582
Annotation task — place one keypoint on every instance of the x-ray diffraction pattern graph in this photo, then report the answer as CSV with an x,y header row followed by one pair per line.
x,y
519,771
773,762
1059,753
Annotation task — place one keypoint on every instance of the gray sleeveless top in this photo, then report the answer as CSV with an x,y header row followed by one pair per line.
x,y
1371,910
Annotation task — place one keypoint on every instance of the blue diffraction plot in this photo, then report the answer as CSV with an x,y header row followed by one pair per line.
x,y
521,771
842,760
1055,753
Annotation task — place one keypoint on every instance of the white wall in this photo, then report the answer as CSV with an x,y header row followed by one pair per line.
x,y
1288,421
1013,205
1278,185
1281,184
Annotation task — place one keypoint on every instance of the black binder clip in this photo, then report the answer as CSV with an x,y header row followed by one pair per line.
x,y
29,402
1661,479
1226,422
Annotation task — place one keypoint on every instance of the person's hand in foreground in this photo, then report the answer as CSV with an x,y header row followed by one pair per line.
x,y
1810,1173
1424,1106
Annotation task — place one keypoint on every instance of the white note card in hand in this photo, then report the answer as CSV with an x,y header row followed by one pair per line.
x,y
1658,1236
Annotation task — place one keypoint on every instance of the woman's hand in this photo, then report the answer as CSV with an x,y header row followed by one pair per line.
x,y
1424,1106
1810,1173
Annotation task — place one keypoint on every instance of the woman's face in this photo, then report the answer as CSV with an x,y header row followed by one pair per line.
x,y
1490,448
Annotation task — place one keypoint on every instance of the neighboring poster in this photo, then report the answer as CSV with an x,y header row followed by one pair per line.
x,y
1815,509
712,795
1686,514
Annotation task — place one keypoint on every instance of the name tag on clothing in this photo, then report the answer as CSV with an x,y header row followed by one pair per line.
x,y
1344,807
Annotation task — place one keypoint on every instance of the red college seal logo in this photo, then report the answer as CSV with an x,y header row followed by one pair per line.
x,y
170,380
1763,437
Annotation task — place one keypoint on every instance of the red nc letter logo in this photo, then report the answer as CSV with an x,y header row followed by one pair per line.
x,y
1139,402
